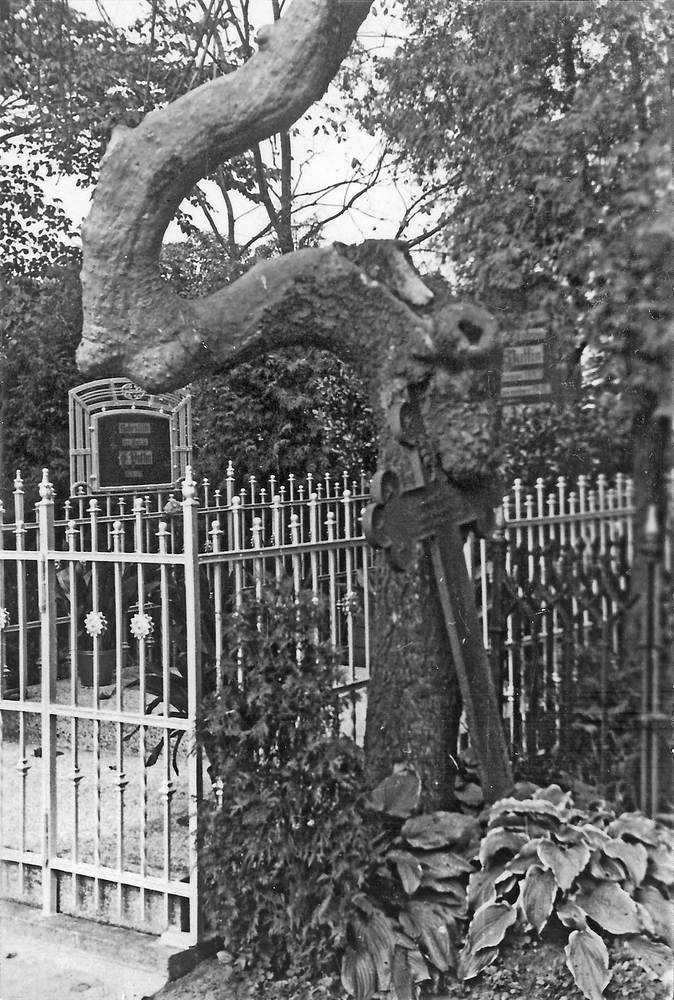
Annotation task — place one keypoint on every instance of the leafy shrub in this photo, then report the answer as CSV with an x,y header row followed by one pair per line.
x,y
543,860
405,927
543,865
285,842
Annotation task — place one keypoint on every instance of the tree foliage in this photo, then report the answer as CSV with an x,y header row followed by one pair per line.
x,y
549,124
40,325
298,411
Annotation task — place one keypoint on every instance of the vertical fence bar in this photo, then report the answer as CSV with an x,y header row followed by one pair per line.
x,y
47,581
192,624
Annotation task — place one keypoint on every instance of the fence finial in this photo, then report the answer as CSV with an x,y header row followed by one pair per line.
x,y
189,485
46,488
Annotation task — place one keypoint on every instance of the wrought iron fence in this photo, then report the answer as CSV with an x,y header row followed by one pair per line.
x,y
99,781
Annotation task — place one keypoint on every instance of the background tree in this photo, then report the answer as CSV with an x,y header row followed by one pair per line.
x,y
549,128
66,80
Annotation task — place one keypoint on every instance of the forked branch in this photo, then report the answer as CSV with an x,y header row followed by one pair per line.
x,y
133,323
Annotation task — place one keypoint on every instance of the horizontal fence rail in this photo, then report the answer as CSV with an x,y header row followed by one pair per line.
x,y
111,614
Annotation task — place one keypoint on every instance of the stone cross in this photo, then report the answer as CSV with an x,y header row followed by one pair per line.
x,y
432,512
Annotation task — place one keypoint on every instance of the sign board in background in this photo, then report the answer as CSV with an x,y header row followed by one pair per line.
x,y
534,371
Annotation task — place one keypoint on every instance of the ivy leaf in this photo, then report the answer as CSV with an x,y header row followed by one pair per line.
x,y
359,977
566,863
587,958
633,856
656,958
611,907
538,895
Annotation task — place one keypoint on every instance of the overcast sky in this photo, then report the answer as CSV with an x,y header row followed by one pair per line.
x,y
320,158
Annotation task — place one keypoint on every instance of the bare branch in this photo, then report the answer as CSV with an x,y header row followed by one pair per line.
x,y
133,322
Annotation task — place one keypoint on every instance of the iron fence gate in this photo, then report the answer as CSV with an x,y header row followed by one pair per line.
x,y
100,777
109,629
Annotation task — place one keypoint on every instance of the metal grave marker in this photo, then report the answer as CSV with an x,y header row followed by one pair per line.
x,y
122,438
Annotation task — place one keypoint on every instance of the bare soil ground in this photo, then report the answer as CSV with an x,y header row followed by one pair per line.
x,y
524,971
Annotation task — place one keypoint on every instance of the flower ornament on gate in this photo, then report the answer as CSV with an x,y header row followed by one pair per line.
x,y
141,626
350,604
95,623
4,618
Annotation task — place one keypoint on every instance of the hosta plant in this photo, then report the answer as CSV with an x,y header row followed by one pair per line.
x,y
597,875
441,900
406,926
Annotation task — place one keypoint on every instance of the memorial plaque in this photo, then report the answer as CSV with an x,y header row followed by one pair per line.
x,y
133,448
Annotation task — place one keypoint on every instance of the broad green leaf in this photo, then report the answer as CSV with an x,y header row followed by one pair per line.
x,y
397,795
422,922
449,893
376,934
661,864
440,829
404,940
526,857
505,808
655,957
587,958
611,907
633,856
571,915
471,963
602,868
450,908
402,979
660,909
489,925
444,864
566,863
568,834
593,835
498,840
470,795
554,794
538,895
634,825
408,869
359,977
481,887
418,966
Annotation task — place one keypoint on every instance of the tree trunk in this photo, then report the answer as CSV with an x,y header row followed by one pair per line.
x,y
366,304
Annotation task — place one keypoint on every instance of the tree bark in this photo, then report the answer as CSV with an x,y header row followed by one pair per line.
x,y
366,304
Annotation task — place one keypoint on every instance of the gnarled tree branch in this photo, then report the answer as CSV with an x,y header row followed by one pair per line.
x,y
133,323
